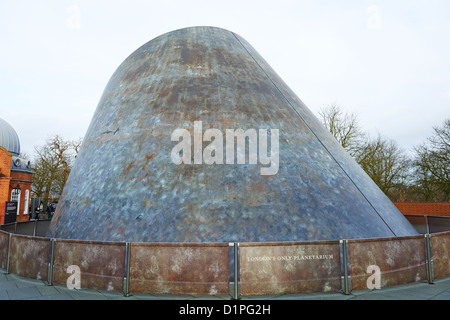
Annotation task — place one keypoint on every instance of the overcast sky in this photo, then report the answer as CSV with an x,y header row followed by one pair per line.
x,y
387,61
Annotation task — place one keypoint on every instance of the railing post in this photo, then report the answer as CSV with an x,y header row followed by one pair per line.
x,y
126,279
236,271
429,256
346,285
51,263
34,228
8,269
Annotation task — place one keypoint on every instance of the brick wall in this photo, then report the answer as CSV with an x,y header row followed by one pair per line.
x,y
8,181
5,178
21,176
424,208
5,162
24,181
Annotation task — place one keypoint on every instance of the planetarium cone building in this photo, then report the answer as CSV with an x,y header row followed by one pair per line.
x,y
197,139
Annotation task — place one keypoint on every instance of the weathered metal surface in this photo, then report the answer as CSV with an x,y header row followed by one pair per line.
x,y
29,256
124,186
440,243
285,268
102,264
4,242
179,268
400,260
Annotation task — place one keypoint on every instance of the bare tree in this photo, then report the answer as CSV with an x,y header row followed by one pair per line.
x,y
384,162
52,164
344,127
433,161
424,183
381,158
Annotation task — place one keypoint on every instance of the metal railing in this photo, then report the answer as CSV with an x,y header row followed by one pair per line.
x,y
204,268
429,224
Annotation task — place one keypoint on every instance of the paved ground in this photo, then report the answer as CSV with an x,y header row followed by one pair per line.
x,y
13,287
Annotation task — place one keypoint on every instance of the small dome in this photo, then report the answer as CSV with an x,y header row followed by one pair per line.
x,y
9,138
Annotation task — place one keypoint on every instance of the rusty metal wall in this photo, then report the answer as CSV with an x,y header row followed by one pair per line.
x,y
401,260
101,263
203,268
440,243
284,268
29,256
124,186
177,268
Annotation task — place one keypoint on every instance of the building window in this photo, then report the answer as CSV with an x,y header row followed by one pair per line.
x,y
15,196
26,202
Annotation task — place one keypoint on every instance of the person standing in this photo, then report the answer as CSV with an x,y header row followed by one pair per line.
x,y
49,210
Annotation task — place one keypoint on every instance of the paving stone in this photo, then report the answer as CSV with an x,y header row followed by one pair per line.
x,y
23,293
13,287
3,295
442,296
5,285
85,294
59,296
372,296
47,290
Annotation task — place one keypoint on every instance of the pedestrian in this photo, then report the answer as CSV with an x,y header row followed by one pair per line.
x,y
49,211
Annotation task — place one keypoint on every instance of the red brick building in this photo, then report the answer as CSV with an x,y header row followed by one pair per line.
x,y
424,208
15,174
